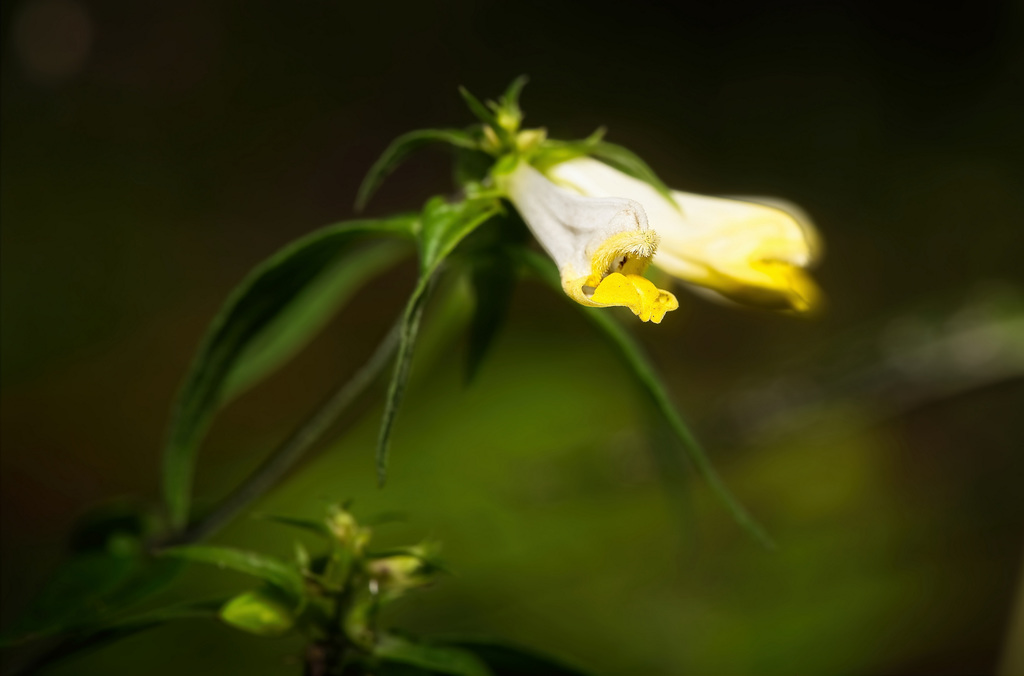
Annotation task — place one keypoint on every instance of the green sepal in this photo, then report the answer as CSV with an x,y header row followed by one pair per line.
x,y
402,147
443,226
284,576
633,356
264,612
247,339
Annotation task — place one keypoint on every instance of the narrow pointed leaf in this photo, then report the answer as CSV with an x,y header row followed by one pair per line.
x,y
401,148
508,660
74,597
510,100
310,312
267,568
443,226
632,354
116,630
434,658
308,525
628,162
240,345
482,112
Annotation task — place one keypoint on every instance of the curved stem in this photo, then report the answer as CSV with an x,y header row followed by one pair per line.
x,y
282,459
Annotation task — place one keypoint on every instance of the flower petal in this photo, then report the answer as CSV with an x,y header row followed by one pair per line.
x,y
748,252
590,239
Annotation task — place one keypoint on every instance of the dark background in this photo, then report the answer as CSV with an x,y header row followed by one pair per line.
x,y
152,153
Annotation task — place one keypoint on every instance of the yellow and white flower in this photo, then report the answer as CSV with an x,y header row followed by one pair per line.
x,y
753,250
601,244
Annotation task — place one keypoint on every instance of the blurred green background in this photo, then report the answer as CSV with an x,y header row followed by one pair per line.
x,y
153,152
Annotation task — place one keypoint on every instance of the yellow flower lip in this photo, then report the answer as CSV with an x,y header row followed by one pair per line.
x,y
616,278
636,292
602,245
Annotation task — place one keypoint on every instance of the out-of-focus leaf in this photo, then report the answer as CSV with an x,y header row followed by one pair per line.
x,y
149,578
471,166
384,518
264,612
443,226
401,148
116,520
115,630
632,354
434,658
482,112
493,280
250,314
510,100
89,589
309,525
311,310
267,568
74,596
506,660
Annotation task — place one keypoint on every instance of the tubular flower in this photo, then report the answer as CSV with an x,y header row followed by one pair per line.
x,y
753,251
601,244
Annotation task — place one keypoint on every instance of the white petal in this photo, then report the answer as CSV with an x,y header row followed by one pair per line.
x,y
569,226
740,248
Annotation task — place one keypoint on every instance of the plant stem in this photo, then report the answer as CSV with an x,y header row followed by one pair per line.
x,y
282,459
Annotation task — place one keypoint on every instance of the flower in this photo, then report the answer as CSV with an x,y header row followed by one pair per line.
x,y
753,251
602,245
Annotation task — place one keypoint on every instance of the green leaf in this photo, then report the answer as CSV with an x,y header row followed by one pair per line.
x,y
471,166
74,596
431,657
507,660
401,148
264,612
493,279
310,312
118,629
310,525
443,226
629,163
251,317
632,354
482,112
267,568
